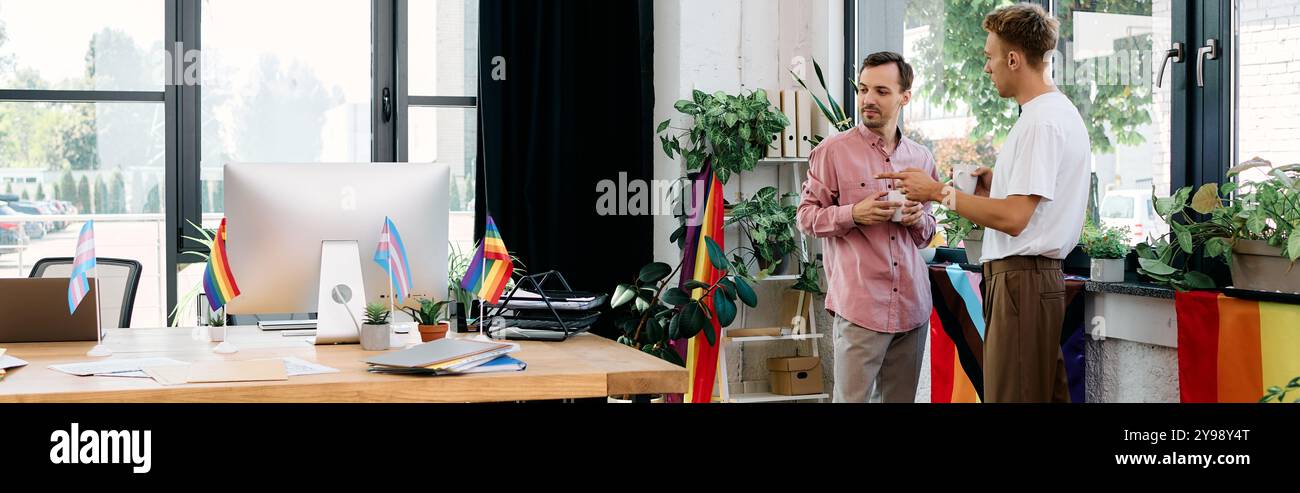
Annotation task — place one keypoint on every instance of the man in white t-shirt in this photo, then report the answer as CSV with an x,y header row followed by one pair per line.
x,y
1033,205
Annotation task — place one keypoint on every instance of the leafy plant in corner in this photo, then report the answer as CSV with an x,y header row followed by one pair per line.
x,y
734,130
651,313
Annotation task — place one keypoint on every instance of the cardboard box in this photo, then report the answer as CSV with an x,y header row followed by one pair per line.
x,y
801,375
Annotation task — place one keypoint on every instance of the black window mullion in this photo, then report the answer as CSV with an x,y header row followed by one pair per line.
x,y
383,78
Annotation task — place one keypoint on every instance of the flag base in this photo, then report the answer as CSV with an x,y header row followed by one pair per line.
x,y
225,348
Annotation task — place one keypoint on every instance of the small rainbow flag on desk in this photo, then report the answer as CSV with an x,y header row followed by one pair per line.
x,y
391,255
490,270
218,282
82,262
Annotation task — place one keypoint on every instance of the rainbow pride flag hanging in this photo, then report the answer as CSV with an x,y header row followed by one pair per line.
x,y
491,268
1233,350
704,222
218,282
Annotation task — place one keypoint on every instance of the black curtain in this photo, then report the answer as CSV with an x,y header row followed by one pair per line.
x,y
575,108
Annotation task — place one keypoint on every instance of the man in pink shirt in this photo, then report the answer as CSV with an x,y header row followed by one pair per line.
x,y
878,290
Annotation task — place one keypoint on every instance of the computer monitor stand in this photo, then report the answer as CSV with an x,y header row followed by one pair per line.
x,y
340,303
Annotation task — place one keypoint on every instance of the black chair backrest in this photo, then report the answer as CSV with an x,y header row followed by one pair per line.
x,y
62,267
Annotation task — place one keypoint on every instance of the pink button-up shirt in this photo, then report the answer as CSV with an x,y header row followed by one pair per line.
x,y
875,274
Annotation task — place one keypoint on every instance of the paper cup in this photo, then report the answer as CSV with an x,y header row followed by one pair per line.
x,y
897,196
963,177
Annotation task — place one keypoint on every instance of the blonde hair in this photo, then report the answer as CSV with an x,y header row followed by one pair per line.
x,y
1025,26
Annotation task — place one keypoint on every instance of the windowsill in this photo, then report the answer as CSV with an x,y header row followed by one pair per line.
x,y
1130,287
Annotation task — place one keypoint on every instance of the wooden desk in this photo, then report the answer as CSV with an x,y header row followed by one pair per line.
x,y
584,366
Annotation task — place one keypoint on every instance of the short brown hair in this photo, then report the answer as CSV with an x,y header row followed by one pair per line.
x,y
905,74
1026,26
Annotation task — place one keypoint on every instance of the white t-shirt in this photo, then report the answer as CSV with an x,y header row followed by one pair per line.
x,y
1047,154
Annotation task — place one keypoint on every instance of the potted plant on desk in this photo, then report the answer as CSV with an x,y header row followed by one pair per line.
x,y
432,327
1108,247
375,332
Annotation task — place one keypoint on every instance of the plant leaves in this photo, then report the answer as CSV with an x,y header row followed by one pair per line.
x,y
1185,240
1198,280
724,308
622,294
654,272
675,296
1156,267
716,256
1206,198
745,292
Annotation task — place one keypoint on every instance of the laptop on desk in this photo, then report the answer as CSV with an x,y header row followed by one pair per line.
x,y
36,310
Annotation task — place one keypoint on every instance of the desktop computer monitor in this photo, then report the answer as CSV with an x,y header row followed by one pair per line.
x,y
281,217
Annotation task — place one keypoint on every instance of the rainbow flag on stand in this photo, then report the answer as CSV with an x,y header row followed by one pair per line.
x,y
218,282
702,357
391,255
82,262
1233,350
491,268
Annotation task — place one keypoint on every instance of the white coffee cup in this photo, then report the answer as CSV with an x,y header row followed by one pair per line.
x,y
963,177
897,196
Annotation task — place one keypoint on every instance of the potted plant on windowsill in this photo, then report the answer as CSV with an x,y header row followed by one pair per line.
x,y
1163,259
1107,247
427,315
1266,216
770,227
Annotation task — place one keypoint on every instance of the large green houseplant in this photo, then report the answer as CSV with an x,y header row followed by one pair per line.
x,y
733,130
652,310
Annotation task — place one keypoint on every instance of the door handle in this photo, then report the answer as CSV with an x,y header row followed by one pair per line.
x,y
1175,55
1209,51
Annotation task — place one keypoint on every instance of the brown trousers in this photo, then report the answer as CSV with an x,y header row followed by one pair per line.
x,y
1024,307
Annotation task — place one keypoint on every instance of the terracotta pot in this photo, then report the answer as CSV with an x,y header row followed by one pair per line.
x,y
434,332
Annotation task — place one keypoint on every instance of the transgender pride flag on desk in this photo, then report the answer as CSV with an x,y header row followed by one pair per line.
x,y
82,262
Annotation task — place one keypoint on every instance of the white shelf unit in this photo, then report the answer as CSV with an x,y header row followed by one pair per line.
x,y
795,170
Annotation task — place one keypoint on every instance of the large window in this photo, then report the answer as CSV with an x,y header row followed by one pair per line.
x,y
126,111
288,92
83,134
441,123
1267,82
1107,60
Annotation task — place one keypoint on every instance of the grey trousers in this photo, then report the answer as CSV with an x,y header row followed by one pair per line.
x,y
864,358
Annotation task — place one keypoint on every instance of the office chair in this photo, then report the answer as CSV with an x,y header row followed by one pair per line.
x,y
118,281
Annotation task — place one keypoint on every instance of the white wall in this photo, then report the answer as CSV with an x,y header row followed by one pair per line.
x,y
730,45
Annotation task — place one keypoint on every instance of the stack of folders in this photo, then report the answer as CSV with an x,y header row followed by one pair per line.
x,y
448,357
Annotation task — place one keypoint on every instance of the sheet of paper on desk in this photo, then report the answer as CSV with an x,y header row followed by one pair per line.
x,y
295,366
85,368
7,362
